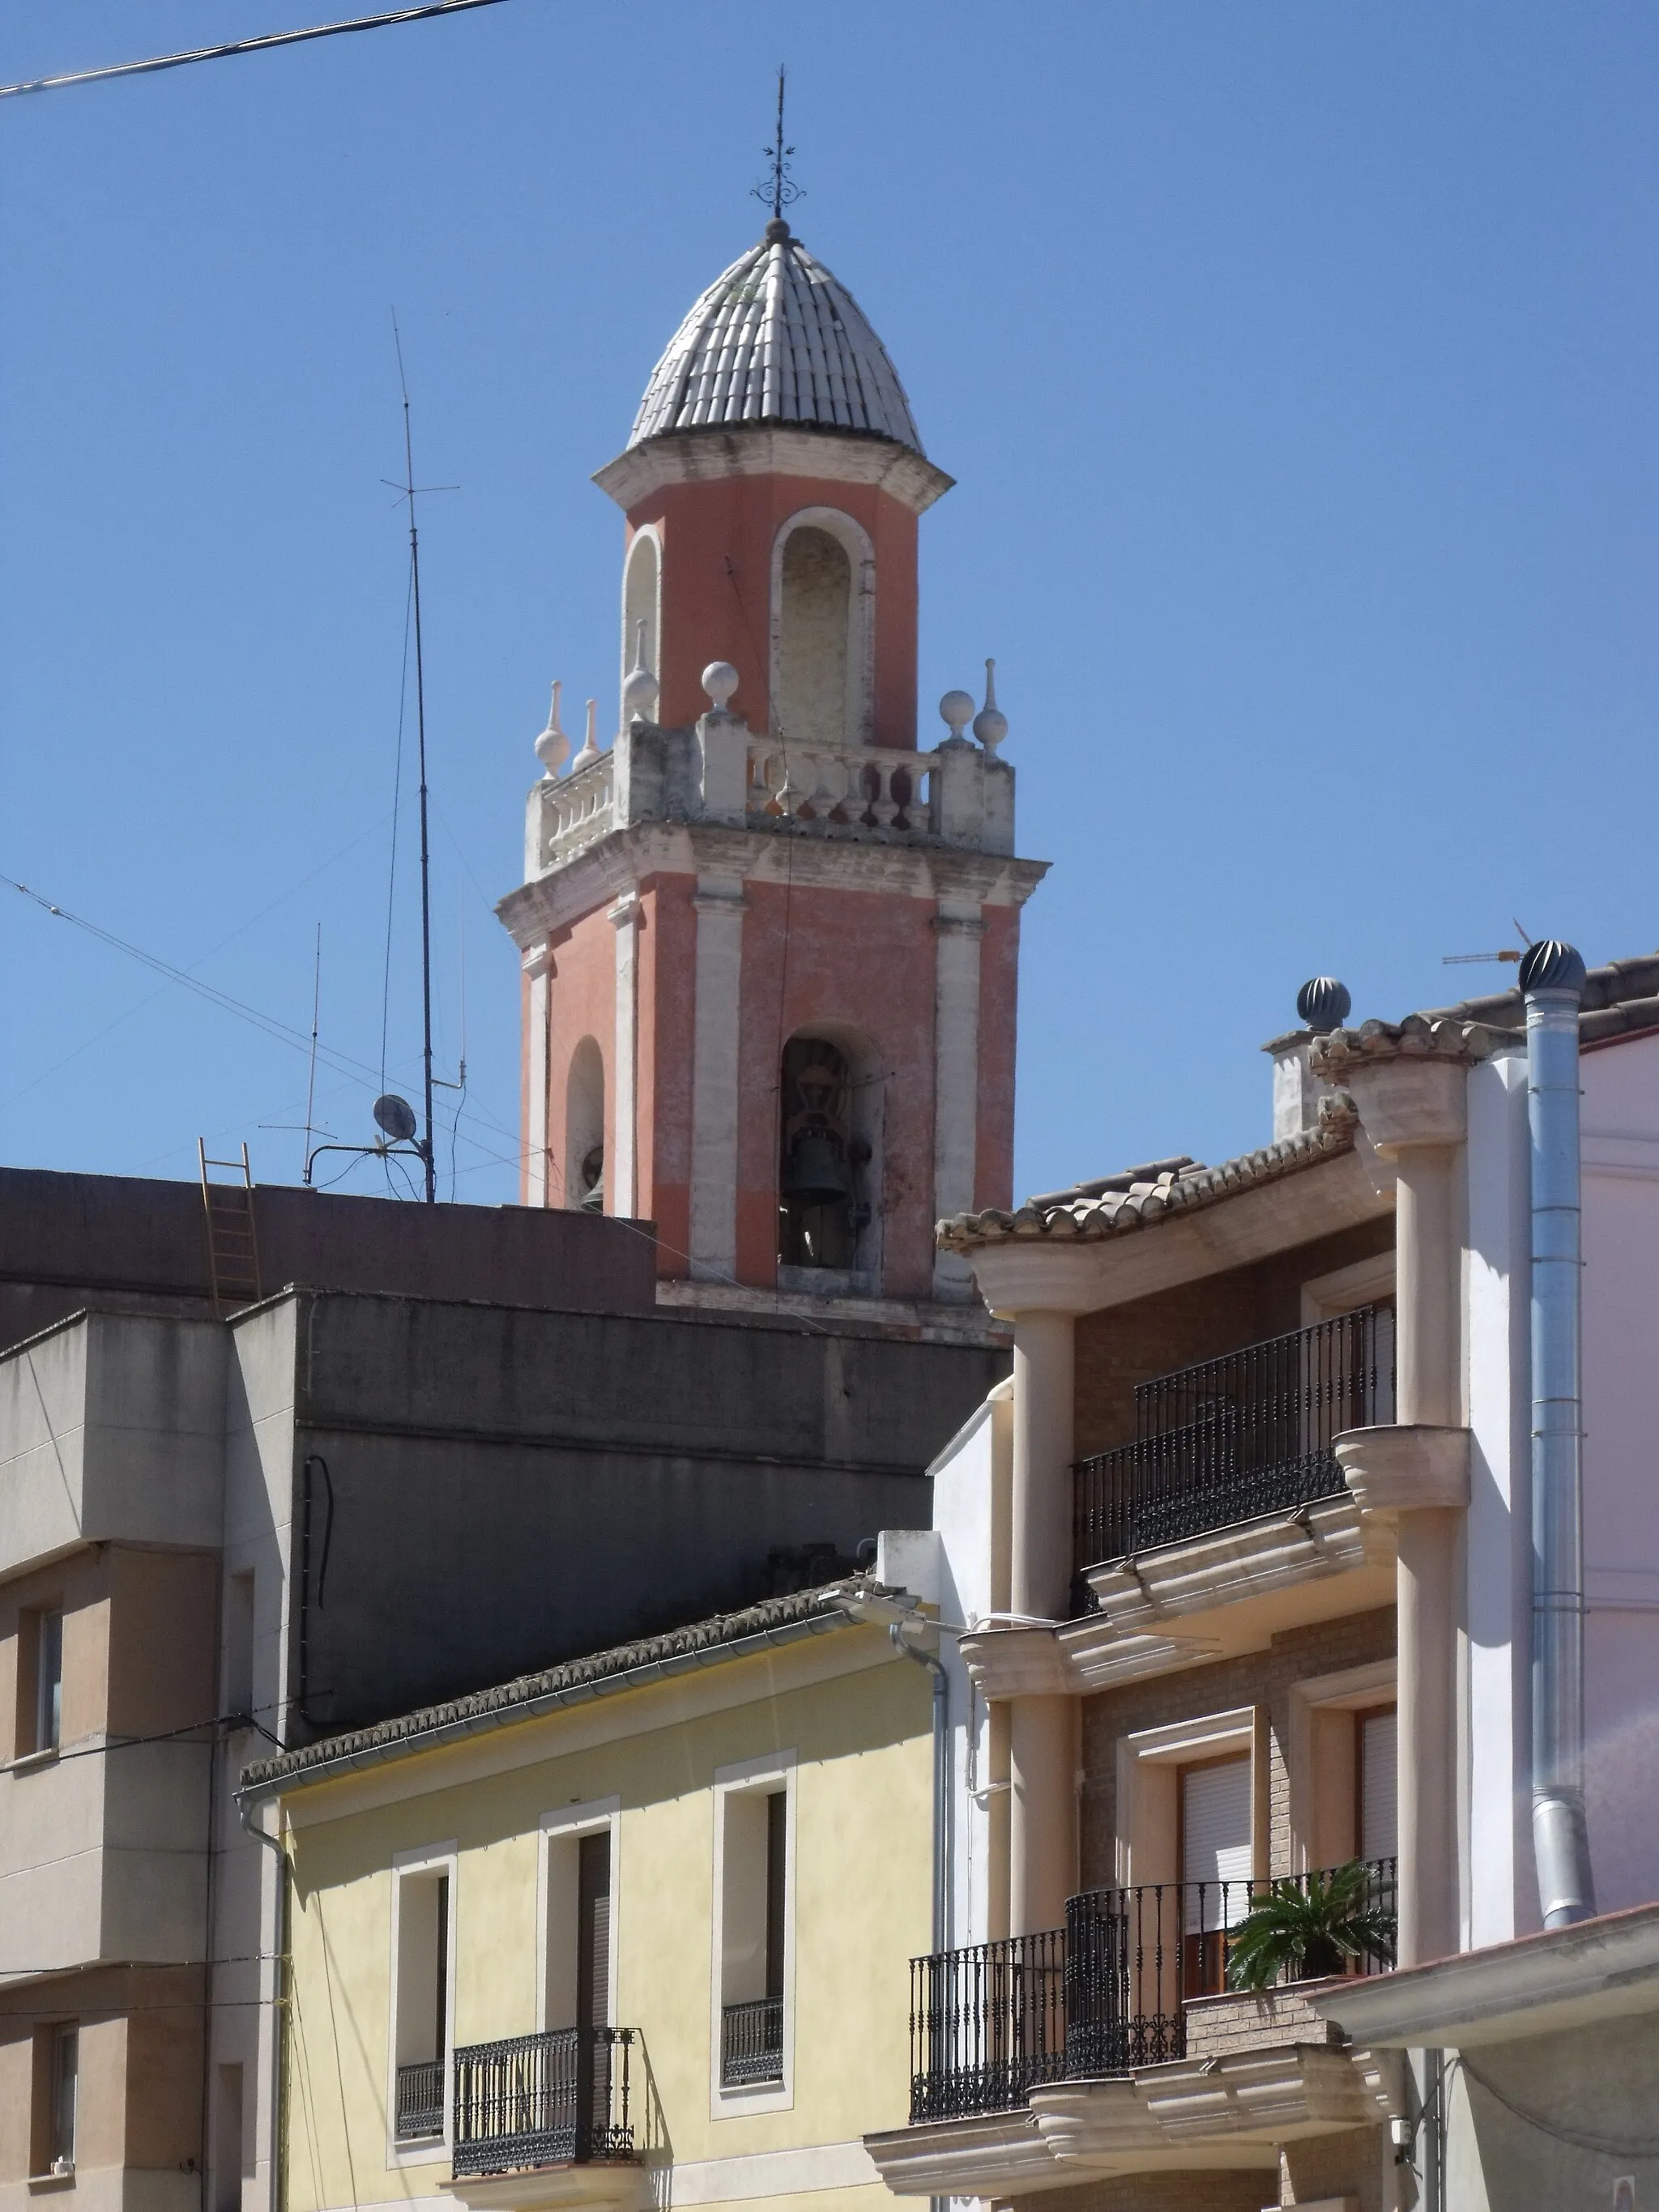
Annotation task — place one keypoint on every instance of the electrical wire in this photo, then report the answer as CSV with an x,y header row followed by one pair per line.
x,y
1601,2146
236,46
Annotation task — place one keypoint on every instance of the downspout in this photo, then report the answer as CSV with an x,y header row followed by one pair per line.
x,y
1553,980
941,1780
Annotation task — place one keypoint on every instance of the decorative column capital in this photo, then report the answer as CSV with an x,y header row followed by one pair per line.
x,y
626,911
1407,1079
537,962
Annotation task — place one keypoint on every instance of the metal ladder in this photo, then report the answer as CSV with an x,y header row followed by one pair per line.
x,y
233,1246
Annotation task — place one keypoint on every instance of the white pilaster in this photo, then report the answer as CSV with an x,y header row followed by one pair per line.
x,y
538,966
719,903
620,1188
957,927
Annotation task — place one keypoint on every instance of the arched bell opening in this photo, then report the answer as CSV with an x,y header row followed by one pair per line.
x,y
823,634
584,1129
828,1165
642,603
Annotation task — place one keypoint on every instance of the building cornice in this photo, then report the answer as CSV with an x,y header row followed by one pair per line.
x,y
683,457
620,862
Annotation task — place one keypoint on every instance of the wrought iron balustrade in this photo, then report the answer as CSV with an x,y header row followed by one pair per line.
x,y
1232,1438
1136,1958
562,2098
1105,1994
987,2023
420,2101
751,2042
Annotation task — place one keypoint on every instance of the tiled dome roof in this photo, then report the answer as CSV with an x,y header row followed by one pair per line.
x,y
776,339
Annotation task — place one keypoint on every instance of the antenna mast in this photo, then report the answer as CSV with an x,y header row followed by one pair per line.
x,y
425,1147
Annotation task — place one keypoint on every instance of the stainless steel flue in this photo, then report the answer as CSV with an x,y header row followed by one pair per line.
x,y
1553,980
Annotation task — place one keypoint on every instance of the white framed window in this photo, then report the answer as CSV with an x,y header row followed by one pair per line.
x,y
421,2038
1342,1746
753,2013
576,1915
57,2100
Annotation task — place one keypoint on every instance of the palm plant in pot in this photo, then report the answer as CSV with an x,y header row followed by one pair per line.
x,y
1313,1926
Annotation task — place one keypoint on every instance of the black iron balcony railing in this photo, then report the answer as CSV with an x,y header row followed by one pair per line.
x,y
1234,1438
553,2099
1105,1994
751,2042
420,2101
987,2023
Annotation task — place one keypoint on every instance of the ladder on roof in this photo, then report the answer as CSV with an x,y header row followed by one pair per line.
x,y
233,1246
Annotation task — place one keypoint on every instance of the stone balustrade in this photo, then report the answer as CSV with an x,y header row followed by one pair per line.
x,y
841,791
578,811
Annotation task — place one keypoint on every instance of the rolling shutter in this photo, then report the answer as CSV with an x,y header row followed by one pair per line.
x,y
1378,1782
1215,1841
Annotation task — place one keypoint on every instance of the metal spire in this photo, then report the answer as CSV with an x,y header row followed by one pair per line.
x,y
780,191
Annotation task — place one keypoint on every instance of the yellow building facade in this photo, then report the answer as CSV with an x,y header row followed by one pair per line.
x,y
635,1931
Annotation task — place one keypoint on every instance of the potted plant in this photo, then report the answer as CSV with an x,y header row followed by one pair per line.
x,y
1311,1926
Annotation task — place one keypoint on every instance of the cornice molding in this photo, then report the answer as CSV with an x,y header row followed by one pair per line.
x,y
683,457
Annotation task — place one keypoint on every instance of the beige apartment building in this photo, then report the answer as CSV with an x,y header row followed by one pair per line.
x,y
1240,1564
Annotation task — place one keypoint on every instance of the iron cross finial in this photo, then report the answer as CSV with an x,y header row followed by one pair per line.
x,y
781,189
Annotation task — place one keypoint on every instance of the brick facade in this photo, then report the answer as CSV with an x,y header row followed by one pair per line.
x,y
1261,1678
1127,1344
1204,2191
1324,2169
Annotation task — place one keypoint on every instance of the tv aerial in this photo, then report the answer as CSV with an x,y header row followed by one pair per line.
x,y
395,1119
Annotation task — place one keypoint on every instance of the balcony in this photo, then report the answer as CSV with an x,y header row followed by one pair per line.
x,y
559,2098
1232,1440
420,2113
1118,1988
751,2043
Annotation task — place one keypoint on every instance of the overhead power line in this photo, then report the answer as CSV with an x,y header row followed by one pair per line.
x,y
246,46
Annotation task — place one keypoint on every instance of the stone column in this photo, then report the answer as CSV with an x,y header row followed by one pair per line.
x,y
719,903
538,966
1042,1730
1416,1473
958,927
620,1177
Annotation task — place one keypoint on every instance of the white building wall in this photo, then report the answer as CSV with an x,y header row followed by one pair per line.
x,y
1497,1890
1620,1123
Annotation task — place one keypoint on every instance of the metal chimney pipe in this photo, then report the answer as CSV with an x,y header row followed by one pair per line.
x,y
1553,980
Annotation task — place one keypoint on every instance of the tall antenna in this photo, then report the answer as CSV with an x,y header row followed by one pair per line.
x,y
425,1145
316,1004
780,189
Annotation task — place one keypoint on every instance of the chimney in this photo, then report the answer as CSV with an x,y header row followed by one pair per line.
x,y
1323,1004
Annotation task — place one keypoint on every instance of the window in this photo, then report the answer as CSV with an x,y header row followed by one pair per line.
x,y
1375,1825
421,2003
48,1681
1215,1865
642,603
821,1162
56,2094
755,1935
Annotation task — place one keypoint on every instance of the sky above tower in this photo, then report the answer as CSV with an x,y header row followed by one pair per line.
x,y
1296,366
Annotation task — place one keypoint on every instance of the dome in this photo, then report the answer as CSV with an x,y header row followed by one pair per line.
x,y
776,339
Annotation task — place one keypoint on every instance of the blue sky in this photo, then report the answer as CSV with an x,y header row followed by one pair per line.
x,y
1297,363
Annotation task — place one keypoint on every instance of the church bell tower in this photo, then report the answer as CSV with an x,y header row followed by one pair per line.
x,y
769,942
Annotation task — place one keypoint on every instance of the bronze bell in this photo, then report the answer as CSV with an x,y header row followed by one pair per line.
x,y
817,1173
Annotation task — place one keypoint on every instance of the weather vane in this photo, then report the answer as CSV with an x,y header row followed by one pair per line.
x,y
779,189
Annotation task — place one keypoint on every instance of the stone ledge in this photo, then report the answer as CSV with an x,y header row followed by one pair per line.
x,y
985,2154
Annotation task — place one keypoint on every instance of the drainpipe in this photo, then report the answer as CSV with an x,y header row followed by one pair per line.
x,y
1553,980
279,2006
899,1619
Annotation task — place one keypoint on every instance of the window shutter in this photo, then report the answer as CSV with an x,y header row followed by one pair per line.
x,y
1378,1782
1215,1840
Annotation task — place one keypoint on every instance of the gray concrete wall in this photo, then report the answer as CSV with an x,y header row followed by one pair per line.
x,y
67,1240
512,1489
1555,2121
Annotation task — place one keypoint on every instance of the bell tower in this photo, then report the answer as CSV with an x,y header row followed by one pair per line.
x,y
768,941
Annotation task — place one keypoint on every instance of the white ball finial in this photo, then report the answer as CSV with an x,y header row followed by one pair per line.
x,y
720,681
990,724
957,708
641,690
553,747
590,751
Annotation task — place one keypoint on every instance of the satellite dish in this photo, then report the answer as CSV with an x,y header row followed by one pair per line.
x,y
395,1117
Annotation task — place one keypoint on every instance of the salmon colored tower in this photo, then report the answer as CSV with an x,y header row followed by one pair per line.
x,y
769,946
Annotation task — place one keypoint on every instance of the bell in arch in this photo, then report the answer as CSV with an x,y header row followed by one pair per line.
x,y
815,1173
